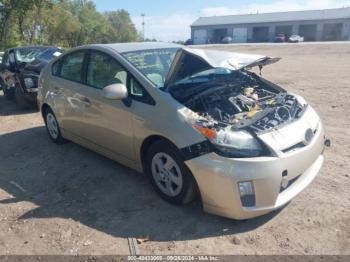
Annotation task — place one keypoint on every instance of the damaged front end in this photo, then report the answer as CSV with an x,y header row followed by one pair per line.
x,y
233,105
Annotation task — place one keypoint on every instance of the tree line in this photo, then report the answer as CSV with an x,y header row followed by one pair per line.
x,y
64,23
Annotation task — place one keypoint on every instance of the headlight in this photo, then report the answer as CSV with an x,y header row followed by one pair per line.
x,y
231,143
29,83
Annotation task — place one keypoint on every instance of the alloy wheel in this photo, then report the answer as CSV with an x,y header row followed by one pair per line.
x,y
167,174
52,125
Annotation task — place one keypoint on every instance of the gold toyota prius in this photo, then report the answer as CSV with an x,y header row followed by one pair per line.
x,y
196,121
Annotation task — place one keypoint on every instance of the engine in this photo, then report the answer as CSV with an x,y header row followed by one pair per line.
x,y
242,105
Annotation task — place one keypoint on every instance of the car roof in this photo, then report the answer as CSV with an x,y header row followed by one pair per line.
x,y
33,47
137,46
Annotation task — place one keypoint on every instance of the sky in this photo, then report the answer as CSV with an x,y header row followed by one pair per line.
x,y
170,20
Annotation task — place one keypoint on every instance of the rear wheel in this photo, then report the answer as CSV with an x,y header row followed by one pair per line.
x,y
52,127
169,175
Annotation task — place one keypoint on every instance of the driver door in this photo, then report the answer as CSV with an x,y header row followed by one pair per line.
x,y
106,123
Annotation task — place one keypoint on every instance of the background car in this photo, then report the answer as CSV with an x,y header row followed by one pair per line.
x,y
28,77
227,40
296,39
20,71
280,38
188,42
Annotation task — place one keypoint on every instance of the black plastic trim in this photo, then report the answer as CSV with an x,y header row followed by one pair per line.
x,y
196,150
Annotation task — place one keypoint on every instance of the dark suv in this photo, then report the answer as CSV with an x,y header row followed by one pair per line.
x,y
20,70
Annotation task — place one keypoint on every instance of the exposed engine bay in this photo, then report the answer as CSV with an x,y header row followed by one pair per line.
x,y
239,99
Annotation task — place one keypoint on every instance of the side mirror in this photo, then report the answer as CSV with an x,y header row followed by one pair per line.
x,y
115,92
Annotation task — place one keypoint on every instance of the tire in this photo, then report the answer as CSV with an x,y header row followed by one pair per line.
x,y
52,127
169,175
9,93
20,98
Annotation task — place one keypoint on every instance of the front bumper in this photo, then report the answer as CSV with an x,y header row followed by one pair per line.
x,y
218,178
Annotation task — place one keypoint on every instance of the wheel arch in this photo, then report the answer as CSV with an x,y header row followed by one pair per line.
x,y
147,143
43,109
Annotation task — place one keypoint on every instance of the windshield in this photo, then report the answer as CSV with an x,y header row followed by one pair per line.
x,y
50,54
204,76
206,80
28,55
154,64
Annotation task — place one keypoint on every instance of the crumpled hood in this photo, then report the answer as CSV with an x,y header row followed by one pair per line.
x,y
207,59
229,60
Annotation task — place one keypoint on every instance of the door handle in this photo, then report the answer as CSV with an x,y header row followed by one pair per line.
x,y
85,100
139,119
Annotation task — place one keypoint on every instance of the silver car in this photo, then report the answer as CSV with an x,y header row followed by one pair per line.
x,y
196,121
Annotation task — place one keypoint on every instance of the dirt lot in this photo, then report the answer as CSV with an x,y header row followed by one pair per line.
x,y
68,200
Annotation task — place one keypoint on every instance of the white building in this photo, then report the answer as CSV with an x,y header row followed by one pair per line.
x,y
313,25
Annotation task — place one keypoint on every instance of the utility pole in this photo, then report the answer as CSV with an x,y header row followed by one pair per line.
x,y
143,26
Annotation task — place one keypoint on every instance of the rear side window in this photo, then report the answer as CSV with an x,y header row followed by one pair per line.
x,y
70,66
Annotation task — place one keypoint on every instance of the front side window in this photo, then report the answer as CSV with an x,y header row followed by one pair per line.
x,y
103,70
71,66
135,88
154,64
138,93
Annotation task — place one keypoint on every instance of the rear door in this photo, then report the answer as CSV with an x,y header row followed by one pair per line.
x,y
66,85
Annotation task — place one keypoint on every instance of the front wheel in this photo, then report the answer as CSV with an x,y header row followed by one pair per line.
x,y
52,127
9,93
169,175
20,98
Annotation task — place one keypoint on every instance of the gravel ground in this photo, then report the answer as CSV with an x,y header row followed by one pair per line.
x,y
69,200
